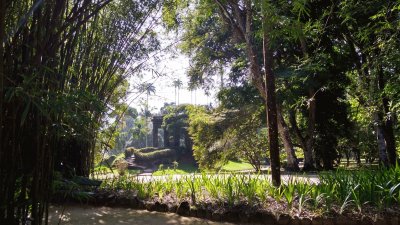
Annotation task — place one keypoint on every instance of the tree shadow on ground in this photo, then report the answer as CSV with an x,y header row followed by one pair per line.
x,y
87,215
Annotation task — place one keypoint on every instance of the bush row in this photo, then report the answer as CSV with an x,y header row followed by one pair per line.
x,y
339,191
145,156
129,151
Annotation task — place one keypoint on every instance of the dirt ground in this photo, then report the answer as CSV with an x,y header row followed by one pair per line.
x,y
89,215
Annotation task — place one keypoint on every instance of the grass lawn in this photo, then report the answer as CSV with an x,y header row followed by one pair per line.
x,y
353,164
183,168
236,165
101,171
133,172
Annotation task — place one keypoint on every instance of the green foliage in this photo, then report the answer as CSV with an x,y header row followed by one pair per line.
x,y
232,133
175,119
129,151
363,187
182,168
64,68
139,131
237,96
204,131
100,171
161,167
150,154
207,41
336,52
236,165
175,165
74,188
250,142
371,31
145,150
338,191
121,165
170,12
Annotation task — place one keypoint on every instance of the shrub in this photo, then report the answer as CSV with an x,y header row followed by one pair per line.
x,y
122,166
147,150
129,151
108,161
161,167
338,191
175,164
145,155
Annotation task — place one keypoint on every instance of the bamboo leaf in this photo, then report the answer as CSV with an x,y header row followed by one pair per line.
x,y
25,113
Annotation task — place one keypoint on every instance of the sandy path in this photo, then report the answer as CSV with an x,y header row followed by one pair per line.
x,y
88,215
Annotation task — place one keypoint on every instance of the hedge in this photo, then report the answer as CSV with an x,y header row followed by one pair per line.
x,y
146,155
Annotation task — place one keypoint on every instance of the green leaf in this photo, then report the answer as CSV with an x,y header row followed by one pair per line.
x,y
393,189
25,113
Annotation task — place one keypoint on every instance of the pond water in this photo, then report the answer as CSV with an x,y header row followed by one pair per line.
x,y
90,215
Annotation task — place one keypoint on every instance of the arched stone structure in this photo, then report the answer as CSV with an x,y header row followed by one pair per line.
x,y
157,124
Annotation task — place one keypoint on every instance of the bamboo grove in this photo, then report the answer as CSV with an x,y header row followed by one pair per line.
x,y
64,64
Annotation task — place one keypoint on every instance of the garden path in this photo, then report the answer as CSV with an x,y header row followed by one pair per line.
x,y
89,215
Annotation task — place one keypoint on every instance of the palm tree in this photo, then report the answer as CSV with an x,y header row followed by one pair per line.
x,y
177,83
149,88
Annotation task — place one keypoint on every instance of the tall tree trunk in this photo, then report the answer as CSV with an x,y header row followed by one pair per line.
x,y
387,122
308,153
271,107
381,145
240,20
255,69
3,154
2,35
383,158
292,162
308,150
293,123
306,143
357,155
390,141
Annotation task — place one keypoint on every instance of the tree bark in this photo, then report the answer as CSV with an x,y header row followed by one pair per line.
x,y
240,21
383,127
383,158
306,143
292,162
262,86
2,35
271,107
308,153
3,192
293,123
387,122
390,141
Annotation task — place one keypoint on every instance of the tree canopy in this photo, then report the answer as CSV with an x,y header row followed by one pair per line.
x,y
310,80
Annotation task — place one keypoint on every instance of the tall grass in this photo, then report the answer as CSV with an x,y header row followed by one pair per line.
x,y
340,190
379,188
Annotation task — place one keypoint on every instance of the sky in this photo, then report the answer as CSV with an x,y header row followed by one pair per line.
x,y
172,65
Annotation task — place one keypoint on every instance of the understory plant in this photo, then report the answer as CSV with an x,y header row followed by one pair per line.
x,y
339,190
